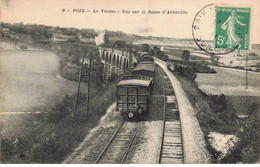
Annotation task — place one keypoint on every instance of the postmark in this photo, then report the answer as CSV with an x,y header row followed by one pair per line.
x,y
232,27
213,38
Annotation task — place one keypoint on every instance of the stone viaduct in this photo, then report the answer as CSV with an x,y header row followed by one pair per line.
x,y
116,61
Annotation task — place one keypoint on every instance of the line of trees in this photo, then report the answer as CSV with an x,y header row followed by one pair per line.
x,y
44,32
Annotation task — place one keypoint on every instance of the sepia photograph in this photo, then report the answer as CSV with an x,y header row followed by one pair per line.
x,y
129,82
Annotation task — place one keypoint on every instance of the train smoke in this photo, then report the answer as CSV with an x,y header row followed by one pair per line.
x,y
100,38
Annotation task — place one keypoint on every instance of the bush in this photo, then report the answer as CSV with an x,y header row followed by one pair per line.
x,y
185,71
62,109
218,103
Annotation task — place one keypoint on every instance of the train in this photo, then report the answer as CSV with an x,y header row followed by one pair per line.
x,y
133,93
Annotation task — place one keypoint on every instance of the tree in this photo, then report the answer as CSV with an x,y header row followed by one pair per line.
x,y
146,48
120,44
97,71
185,55
106,40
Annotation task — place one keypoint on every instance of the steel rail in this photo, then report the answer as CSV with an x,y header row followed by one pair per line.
x,y
130,144
164,115
110,141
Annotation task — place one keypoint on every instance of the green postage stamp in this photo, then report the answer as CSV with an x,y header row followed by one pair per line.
x,y
232,28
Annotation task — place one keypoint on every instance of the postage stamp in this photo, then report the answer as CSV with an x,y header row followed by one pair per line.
x,y
232,27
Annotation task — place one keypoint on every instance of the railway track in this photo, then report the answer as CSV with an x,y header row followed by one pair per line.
x,y
171,145
119,145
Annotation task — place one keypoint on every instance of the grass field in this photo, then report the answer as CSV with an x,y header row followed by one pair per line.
x,y
176,53
229,82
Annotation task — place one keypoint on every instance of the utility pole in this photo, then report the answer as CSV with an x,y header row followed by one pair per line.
x,y
1,133
246,71
89,70
77,93
131,58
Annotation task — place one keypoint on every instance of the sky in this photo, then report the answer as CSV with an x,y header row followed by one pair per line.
x,y
49,12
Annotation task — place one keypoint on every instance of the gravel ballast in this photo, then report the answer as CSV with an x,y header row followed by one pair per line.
x,y
147,144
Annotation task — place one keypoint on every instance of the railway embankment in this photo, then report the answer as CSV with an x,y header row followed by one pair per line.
x,y
229,137
194,144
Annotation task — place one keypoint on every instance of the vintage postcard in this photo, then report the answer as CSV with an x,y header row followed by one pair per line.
x,y
129,82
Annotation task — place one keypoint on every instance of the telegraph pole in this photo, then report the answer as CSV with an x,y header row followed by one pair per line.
x,y
1,133
130,54
77,93
246,71
89,70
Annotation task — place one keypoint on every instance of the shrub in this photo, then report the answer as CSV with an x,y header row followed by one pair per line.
x,y
185,71
218,103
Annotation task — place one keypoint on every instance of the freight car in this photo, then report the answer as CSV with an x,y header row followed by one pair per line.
x,y
134,91
133,97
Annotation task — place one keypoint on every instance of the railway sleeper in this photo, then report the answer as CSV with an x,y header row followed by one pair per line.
x,y
176,147
175,157
172,150
171,161
171,141
175,141
171,135
173,138
172,153
172,132
172,123
172,144
167,160
172,113
172,119
166,131
172,128
169,131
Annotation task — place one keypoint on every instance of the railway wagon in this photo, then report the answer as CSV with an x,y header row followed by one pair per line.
x,y
146,66
133,97
145,57
145,69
